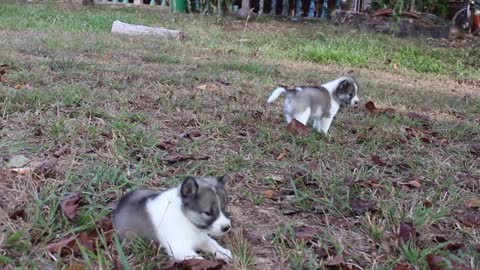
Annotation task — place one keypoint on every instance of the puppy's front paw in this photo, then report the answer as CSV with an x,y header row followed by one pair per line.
x,y
224,254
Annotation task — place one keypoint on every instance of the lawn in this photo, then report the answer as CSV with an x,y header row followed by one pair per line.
x,y
89,115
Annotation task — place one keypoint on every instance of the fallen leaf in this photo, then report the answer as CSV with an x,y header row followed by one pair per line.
x,y
88,240
412,183
69,205
179,158
370,183
165,145
471,219
19,213
47,165
209,87
373,109
254,238
289,211
335,261
436,262
454,246
378,160
305,233
18,86
190,135
268,194
117,264
477,248
348,180
475,149
297,128
76,266
472,203
60,152
193,264
282,155
360,206
395,66
322,253
23,171
417,116
107,56
223,82
58,246
312,165
402,266
17,161
407,232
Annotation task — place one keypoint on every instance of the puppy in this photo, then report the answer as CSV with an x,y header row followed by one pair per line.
x,y
182,219
319,103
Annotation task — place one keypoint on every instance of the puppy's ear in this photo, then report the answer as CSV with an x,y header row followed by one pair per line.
x,y
189,188
222,180
343,86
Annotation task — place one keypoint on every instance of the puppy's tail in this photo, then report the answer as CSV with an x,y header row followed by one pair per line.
x,y
276,93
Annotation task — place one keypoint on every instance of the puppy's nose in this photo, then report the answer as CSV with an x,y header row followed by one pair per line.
x,y
355,102
225,228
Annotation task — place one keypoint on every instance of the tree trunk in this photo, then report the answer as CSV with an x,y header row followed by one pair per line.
x,y
260,8
242,13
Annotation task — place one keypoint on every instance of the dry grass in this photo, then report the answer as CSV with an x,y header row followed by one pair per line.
x,y
108,101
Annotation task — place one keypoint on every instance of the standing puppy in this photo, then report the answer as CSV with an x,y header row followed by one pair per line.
x,y
319,103
182,219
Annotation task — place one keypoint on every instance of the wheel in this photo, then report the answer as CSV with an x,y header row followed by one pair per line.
x,y
462,19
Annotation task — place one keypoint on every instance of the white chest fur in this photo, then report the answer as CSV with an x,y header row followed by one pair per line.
x,y
180,238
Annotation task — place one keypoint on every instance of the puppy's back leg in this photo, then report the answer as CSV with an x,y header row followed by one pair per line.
x,y
325,124
303,116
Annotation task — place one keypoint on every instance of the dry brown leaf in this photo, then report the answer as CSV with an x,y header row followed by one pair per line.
x,y
305,233
335,261
475,149
407,232
77,266
23,171
193,264
412,183
107,56
19,213
472,203
165,145
373,109
282,155
402,266
360,206
268,194
209,87
190,135
58,246
297,128
436,262
69,205
417,116
378,160
179,158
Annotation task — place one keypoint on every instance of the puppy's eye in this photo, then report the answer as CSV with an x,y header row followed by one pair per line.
x,y
207,213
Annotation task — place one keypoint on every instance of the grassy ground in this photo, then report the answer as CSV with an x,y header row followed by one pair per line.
x,y
92,112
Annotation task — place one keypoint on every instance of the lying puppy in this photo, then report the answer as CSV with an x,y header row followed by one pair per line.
x,y
319,103
182,219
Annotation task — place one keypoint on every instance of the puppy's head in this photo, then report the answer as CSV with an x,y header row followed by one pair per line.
x,y
347,92
204,202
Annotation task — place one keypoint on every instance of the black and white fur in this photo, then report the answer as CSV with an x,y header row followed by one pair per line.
x,y
321,103
181,219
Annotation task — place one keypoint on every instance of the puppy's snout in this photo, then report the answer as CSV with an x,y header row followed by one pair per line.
x,y
355,102
225,228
